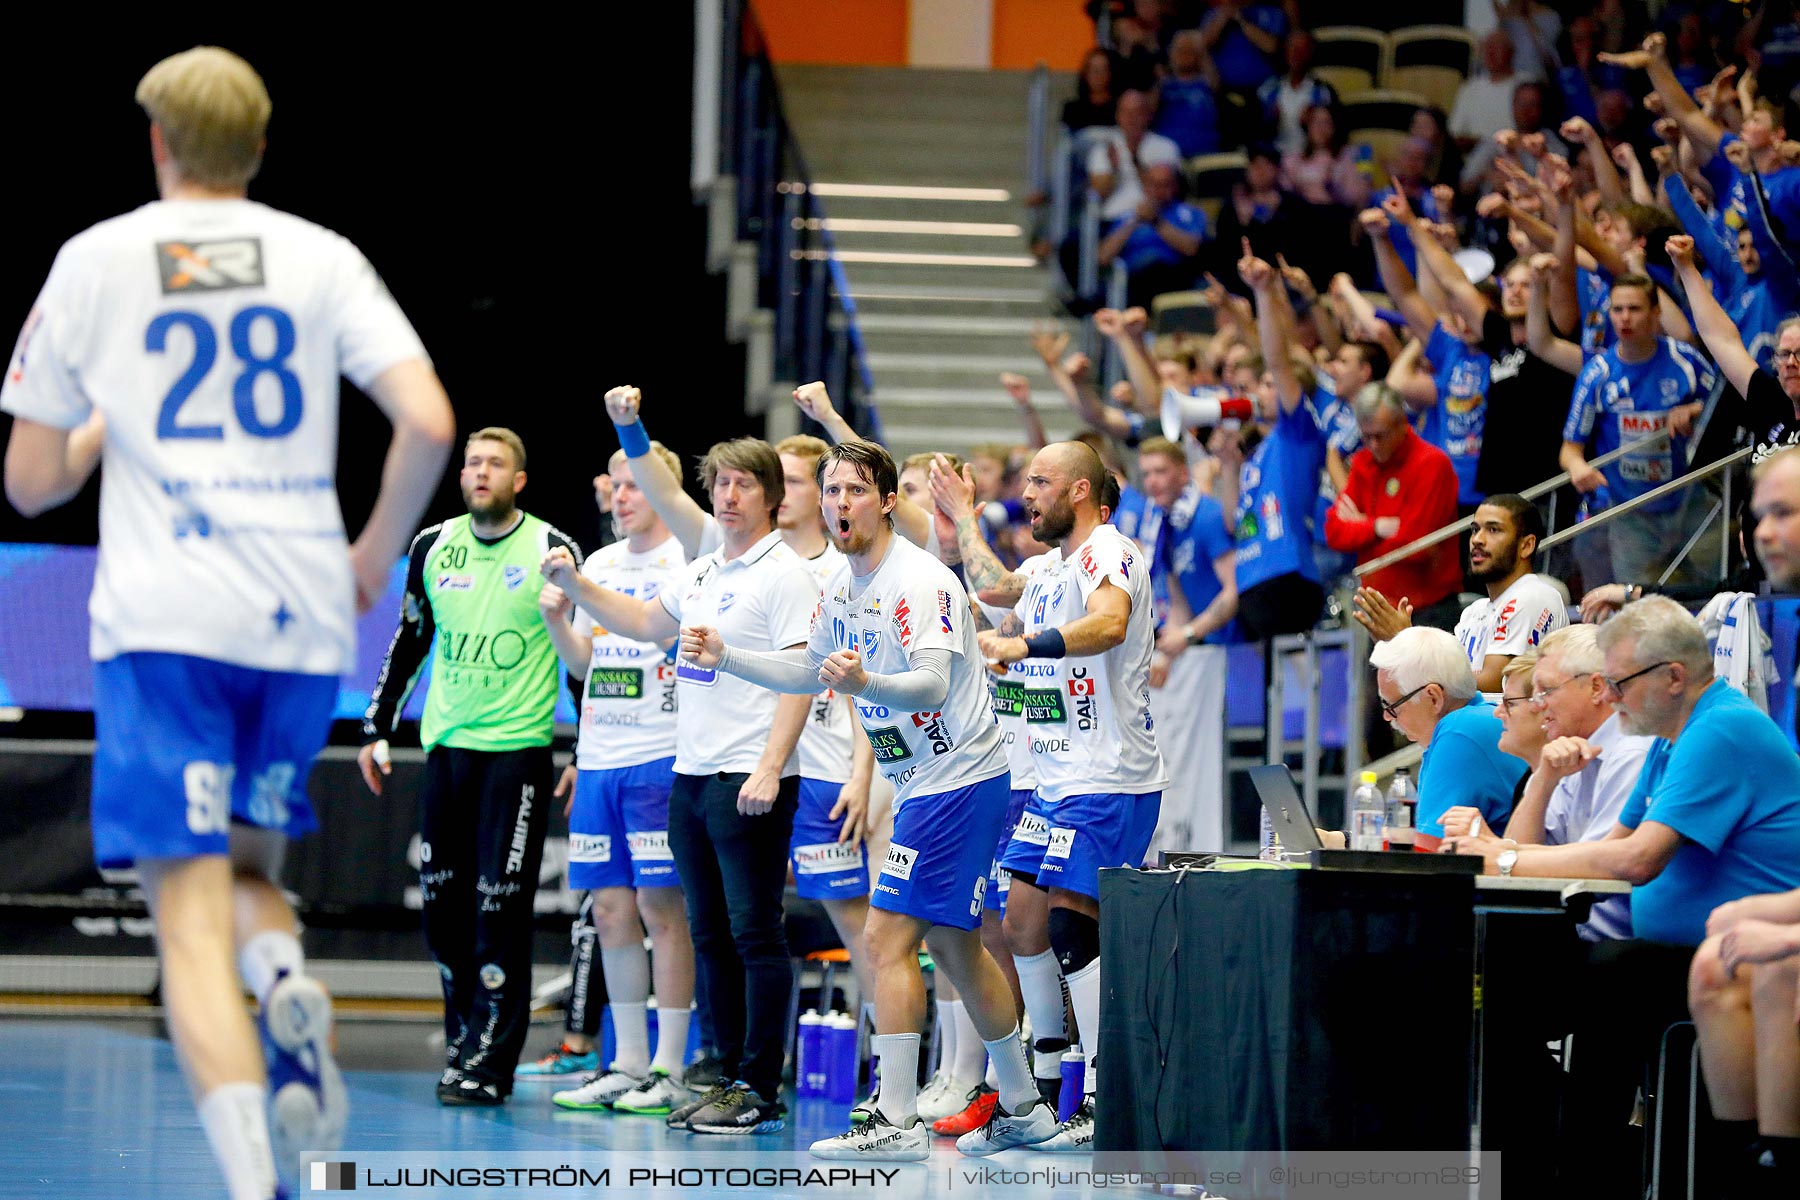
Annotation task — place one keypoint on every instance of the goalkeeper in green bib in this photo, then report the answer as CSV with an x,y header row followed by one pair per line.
x,y
471,583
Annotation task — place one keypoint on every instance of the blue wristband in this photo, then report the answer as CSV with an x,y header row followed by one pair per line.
x,y
1048,644
632,439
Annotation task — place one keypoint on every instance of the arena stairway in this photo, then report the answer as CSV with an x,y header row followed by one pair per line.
x,y
922,174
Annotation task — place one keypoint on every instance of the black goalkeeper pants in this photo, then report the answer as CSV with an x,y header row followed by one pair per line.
x,y
482,816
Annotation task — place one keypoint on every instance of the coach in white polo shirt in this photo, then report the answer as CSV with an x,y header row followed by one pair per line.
x,y
1521,608
736,776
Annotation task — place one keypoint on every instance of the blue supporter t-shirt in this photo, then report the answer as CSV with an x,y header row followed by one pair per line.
x,y
1146,246
1187,113
1455,424
1276,489
1241,65
1620,402
1194,537
1464,766
1730,786
1593,292
1128,518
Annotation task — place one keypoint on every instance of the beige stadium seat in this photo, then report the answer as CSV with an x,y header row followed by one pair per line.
x,y
1210,178
1432,60
1382,109
1349,57
1182,312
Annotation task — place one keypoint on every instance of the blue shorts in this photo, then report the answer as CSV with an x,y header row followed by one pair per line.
x,y
999,881
937,865
619,828
1066,842
824,868
184,746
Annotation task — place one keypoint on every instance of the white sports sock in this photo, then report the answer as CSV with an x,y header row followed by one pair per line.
x,y
1011,1074
898,1100
992,1078
236,1121
264,958
671,1039
971,1055
1084,997
949,1030
1040,979
631,1038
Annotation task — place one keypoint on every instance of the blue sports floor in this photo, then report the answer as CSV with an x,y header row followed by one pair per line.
x,y
98,1110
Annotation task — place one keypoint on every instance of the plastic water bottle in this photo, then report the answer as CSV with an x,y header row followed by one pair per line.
x,y
1271,841
809,1070
1368,815
840,1058
1074,1083
1402,803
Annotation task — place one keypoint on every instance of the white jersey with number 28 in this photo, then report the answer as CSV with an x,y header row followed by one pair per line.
x,y
211,335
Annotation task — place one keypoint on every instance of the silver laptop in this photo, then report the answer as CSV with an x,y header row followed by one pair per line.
x,y
1286,808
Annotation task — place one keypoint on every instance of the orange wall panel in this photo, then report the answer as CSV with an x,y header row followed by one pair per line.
x,y
868,33
1054,32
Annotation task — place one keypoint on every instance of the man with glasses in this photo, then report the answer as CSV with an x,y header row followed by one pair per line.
x,y
1714,817
1427,692
1588,767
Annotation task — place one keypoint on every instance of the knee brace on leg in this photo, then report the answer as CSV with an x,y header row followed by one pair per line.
x,y
1075,937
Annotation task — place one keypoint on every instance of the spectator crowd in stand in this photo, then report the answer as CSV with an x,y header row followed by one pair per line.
x,y
1548,299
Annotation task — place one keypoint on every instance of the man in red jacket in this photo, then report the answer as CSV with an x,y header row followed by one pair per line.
x,y
1400,488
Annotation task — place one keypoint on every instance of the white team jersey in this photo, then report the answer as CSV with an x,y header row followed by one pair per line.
x,y
211,335
912,602
628,703
825,745
761,600
1521,617
1004,695
1089,718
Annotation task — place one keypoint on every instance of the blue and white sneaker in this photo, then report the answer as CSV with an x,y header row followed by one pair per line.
x,y
560,1063
308,1106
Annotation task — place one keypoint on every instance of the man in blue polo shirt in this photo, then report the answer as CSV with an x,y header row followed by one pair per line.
x,y
1644,384
1715,817
1428,693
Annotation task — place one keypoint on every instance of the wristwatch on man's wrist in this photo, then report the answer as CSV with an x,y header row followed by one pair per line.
x,y
1506,861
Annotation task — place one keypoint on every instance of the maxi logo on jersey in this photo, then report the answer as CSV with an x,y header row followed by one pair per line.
x,y
903,624
209,266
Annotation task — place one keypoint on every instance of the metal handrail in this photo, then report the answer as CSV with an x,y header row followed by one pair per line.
x,y
1655,493
1446,532
1037,118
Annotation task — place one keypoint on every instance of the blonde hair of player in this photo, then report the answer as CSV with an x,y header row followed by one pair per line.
x,y
213,112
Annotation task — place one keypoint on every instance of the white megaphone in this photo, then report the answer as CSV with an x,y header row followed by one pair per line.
x,y
1182,411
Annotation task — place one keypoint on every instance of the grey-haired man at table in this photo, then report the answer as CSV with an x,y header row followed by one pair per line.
x,y
1587,770
1714,817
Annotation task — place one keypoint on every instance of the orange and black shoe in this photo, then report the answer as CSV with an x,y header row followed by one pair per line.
x,y
981,1107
